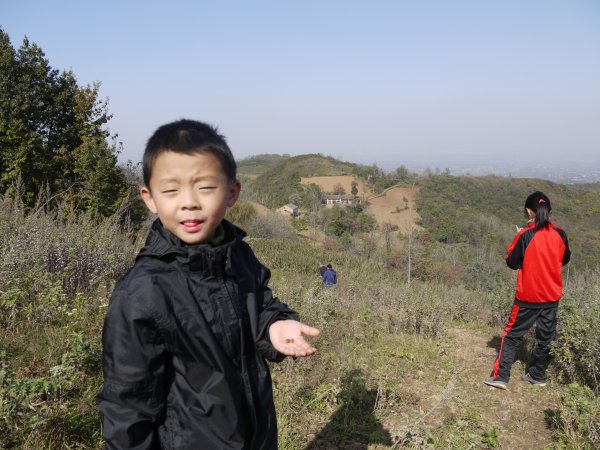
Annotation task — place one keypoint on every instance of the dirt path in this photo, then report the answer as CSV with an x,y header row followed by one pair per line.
x,y
456,401
518,413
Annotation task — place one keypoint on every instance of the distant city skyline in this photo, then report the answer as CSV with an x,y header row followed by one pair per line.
x,y
393,82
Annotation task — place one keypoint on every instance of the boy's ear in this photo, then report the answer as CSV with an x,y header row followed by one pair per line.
x,y
148,200
234,193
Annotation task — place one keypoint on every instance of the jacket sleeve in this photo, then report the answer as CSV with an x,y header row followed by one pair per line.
x,y
516,252
132,396
567,252
269,310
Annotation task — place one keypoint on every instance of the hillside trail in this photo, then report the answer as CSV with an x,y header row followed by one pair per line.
x,y
454,400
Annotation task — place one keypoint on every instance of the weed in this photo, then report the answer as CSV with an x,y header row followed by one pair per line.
x,y
577,422
491,438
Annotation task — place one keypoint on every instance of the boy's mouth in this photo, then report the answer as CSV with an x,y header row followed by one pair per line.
x,y
192,226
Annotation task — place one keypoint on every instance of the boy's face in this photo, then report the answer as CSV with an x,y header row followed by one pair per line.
x,y
190,194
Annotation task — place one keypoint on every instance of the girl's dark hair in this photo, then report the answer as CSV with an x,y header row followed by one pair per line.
x,y
539,203
188,137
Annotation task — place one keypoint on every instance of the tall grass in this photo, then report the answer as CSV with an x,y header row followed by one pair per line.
x,y
56,276
577,350
376,327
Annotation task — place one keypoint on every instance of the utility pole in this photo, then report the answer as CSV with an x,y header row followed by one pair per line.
x,y
409,252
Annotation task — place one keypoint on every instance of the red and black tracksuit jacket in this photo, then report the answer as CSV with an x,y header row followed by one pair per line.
x,y
538,255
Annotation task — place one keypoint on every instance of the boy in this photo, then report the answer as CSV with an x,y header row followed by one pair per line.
x,y
189,327
329,276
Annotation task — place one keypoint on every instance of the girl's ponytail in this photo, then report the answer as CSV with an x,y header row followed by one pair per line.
x,y
542,216
539,203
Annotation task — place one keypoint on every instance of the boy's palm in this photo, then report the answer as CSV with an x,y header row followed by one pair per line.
x,y
286,337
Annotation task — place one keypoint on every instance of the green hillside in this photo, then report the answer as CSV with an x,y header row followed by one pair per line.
x,y
400,361
253,166
485,210
407,334
280,182
467,210
274,181
454,209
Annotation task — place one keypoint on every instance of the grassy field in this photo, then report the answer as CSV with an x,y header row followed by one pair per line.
x,y
400,360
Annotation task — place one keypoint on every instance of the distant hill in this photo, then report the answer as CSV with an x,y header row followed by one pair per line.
x,y
481,211
255,165
277,180
309,165
484,211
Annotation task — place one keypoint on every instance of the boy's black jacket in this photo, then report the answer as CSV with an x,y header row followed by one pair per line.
x,y
184,347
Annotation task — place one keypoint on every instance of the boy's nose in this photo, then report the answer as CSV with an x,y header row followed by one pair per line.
x,y
190,200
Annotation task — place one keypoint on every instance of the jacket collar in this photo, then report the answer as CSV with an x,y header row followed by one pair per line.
x,y
164,245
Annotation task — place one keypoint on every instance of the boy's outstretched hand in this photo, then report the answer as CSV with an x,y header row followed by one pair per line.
x,y
286,337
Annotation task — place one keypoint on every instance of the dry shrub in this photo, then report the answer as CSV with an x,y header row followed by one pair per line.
x,y
56,274
47,261
269,227
576,350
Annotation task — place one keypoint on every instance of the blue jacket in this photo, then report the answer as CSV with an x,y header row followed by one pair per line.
x,y
330,277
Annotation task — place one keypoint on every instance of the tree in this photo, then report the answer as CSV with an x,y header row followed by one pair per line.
x,y
387,229
53,135
338,189
311,201
402,173
350,219
354,189
135,208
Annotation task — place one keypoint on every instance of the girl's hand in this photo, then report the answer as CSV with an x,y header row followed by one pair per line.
x,y
286,337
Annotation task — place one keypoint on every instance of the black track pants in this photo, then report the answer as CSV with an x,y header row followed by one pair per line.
x,y
522,319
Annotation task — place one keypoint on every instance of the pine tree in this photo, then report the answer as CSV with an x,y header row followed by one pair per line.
x,y
53,136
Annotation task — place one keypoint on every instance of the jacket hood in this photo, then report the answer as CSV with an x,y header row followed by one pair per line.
x,y
164,245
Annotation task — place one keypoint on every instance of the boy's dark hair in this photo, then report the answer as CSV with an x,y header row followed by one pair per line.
x,y
329,266
539,203
188,137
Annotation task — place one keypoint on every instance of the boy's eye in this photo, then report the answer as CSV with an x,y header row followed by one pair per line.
x,y
169,191
206,188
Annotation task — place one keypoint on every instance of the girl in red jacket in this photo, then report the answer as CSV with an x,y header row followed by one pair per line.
x,y
538,252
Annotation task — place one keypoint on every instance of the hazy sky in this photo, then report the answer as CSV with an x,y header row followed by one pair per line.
x,y
386,82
